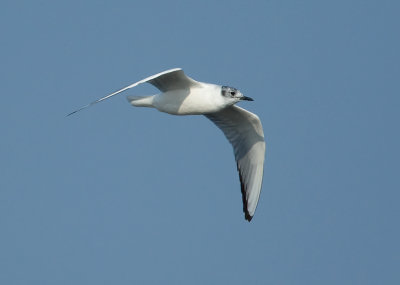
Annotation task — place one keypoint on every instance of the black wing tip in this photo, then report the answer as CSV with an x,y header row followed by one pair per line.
x,y
81,108
247,215
76,111
71,113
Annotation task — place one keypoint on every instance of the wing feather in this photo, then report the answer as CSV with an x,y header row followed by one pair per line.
x,y
173,80
168,80
244,131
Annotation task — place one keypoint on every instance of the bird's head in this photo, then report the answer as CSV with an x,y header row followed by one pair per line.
x,y
233,95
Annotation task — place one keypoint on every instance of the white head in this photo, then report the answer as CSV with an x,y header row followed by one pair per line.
x,y
233,95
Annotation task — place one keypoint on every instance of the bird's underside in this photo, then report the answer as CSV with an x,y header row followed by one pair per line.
x,y
242,128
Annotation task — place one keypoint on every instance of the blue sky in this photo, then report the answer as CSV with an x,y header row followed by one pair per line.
x,y
123,195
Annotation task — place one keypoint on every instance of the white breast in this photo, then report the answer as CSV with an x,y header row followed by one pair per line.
x,y
203,99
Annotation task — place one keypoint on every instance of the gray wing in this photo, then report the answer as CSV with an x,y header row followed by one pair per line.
x,y
173,79
244,131
168,80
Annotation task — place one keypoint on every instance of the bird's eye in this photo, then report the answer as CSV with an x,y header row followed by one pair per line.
x,y
232,92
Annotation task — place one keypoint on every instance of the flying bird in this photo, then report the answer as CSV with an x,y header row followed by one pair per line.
x,y
182,95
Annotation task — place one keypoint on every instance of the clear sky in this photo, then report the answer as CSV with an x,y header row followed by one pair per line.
x,y
123,195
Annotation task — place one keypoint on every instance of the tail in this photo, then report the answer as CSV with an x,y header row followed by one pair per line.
x,y
141,101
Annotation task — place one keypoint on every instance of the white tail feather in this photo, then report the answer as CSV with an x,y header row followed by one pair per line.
x,y
141,101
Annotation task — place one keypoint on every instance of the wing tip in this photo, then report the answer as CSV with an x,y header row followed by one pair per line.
x,y
247,215
80,109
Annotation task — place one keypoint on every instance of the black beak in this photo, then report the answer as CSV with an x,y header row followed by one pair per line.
x,y
246,98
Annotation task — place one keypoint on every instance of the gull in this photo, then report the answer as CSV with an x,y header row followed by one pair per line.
x,y
182,95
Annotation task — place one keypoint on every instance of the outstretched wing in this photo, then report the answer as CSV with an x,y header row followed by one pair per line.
x,y
244,131
173,79
168,80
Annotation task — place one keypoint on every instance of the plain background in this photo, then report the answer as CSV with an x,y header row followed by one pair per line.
x,y
123,195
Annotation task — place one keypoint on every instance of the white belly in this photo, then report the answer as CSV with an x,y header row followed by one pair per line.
x,y
194,101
